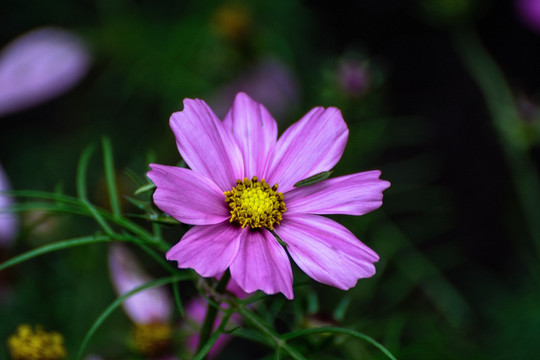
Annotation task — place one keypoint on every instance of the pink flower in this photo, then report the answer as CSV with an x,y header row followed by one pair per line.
x,y
8,221
227,196
529,12
151,309
38,66
149,306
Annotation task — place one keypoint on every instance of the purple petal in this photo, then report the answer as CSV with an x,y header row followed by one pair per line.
x,y
354,194
529,12
205,145
255,131
38,66
147,306
235,289
262,264
326,251
8,220
209,249
312,145
188,196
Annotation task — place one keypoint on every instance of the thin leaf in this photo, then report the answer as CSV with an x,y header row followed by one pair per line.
x,y
314,179
178,301
99,219
116,303
45,195
338,330
341,308
270,333
64,244
215,336
108,164
138,203
81,171
158,257
145,188
251,335
277,354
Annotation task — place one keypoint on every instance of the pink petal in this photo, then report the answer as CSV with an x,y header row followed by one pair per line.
x,y
147,306
205,145
188,196
38,66
235,289
354,194
255,131
312,145
262,264
326,251
209,249
8,220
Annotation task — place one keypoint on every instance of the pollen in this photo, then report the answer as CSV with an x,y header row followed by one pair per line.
x,y
38,344
255,204
153,339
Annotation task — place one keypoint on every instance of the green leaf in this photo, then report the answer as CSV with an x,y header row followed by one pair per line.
x,y
108,164
250,335
99,219
65,244
81,171
341,308
116,303
178,301
145,188
339,330
212,340
142,205
314,179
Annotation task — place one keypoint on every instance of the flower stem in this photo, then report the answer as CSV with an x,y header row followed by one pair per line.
x,y
211,313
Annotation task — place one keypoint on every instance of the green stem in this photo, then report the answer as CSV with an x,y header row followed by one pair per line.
x,y
211,313
212,340
269,333
108,163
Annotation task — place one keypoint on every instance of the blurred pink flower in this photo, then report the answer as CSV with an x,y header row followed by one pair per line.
x,y
529,12
237,213
269,82
38,66
153,305
152,308
8,221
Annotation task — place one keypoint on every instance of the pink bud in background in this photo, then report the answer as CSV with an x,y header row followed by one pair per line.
x,y
353,77
39,65
529,13
8,221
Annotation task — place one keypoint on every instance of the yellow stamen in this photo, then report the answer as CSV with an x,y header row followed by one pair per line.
x,y
38,344
153,340
255,204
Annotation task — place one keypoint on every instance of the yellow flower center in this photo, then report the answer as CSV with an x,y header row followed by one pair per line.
x,y
28,344
152,340
255,204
